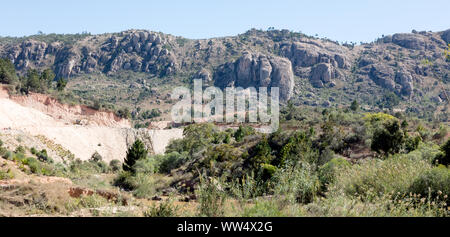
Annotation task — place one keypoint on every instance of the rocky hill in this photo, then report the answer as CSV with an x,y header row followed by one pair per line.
x,y
308,70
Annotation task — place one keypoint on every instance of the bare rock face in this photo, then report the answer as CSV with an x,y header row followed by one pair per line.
x,y
303,54
383,76
405,79
321,74
320,62
410,41
257,70
400,82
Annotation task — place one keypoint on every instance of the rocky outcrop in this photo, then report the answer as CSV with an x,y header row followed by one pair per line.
x,y
322,61
410,41
321,74
255,58
140,51
383,76
400,82
405,80
257,70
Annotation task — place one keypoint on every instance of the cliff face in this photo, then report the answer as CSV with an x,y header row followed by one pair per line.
x,y
401,63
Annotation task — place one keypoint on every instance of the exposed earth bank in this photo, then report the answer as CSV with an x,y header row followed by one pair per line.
x,y
45,123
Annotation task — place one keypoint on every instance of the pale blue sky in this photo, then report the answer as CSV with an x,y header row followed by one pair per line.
x,y
345,20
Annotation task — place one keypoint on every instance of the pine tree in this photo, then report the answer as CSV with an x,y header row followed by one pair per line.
x,y
136,152
354,106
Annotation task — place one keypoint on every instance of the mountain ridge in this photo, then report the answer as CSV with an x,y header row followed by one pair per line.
x,y
411,65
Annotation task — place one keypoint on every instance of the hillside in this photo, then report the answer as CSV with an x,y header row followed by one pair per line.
x,y
138,68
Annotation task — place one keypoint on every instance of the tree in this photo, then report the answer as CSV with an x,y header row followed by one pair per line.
x,y
354,106
46,78
136,152
388,139
242,132
61,84
32,82
7,72
38,81
444,157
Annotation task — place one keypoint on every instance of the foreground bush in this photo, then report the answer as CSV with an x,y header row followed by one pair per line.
x,y
374,177
211,196
297,184
327,172
433,183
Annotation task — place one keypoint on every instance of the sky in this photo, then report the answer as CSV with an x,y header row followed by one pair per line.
x,y
344,20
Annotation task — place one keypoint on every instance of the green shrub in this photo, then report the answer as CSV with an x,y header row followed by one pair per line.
x,y
146,166
432,183
242,132
42,156
211,196
144,185
263,208
115,165
267,171
374,177
33,151
299,183
124,181
20,149
91,201
6,175
8,155
96,157
247,187
171,161
389,139
327,172
3,152
444,157
163,209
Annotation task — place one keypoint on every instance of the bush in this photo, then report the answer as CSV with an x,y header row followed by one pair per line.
x,y
267,171
432,183
163,209
171,161
263,208
6,175
374,177
96,157
3,152
242,132
124,181
33,151
144,185
297,184
444,157
42,156
20,149
146,166
211,197
389,139
115,165
328,171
